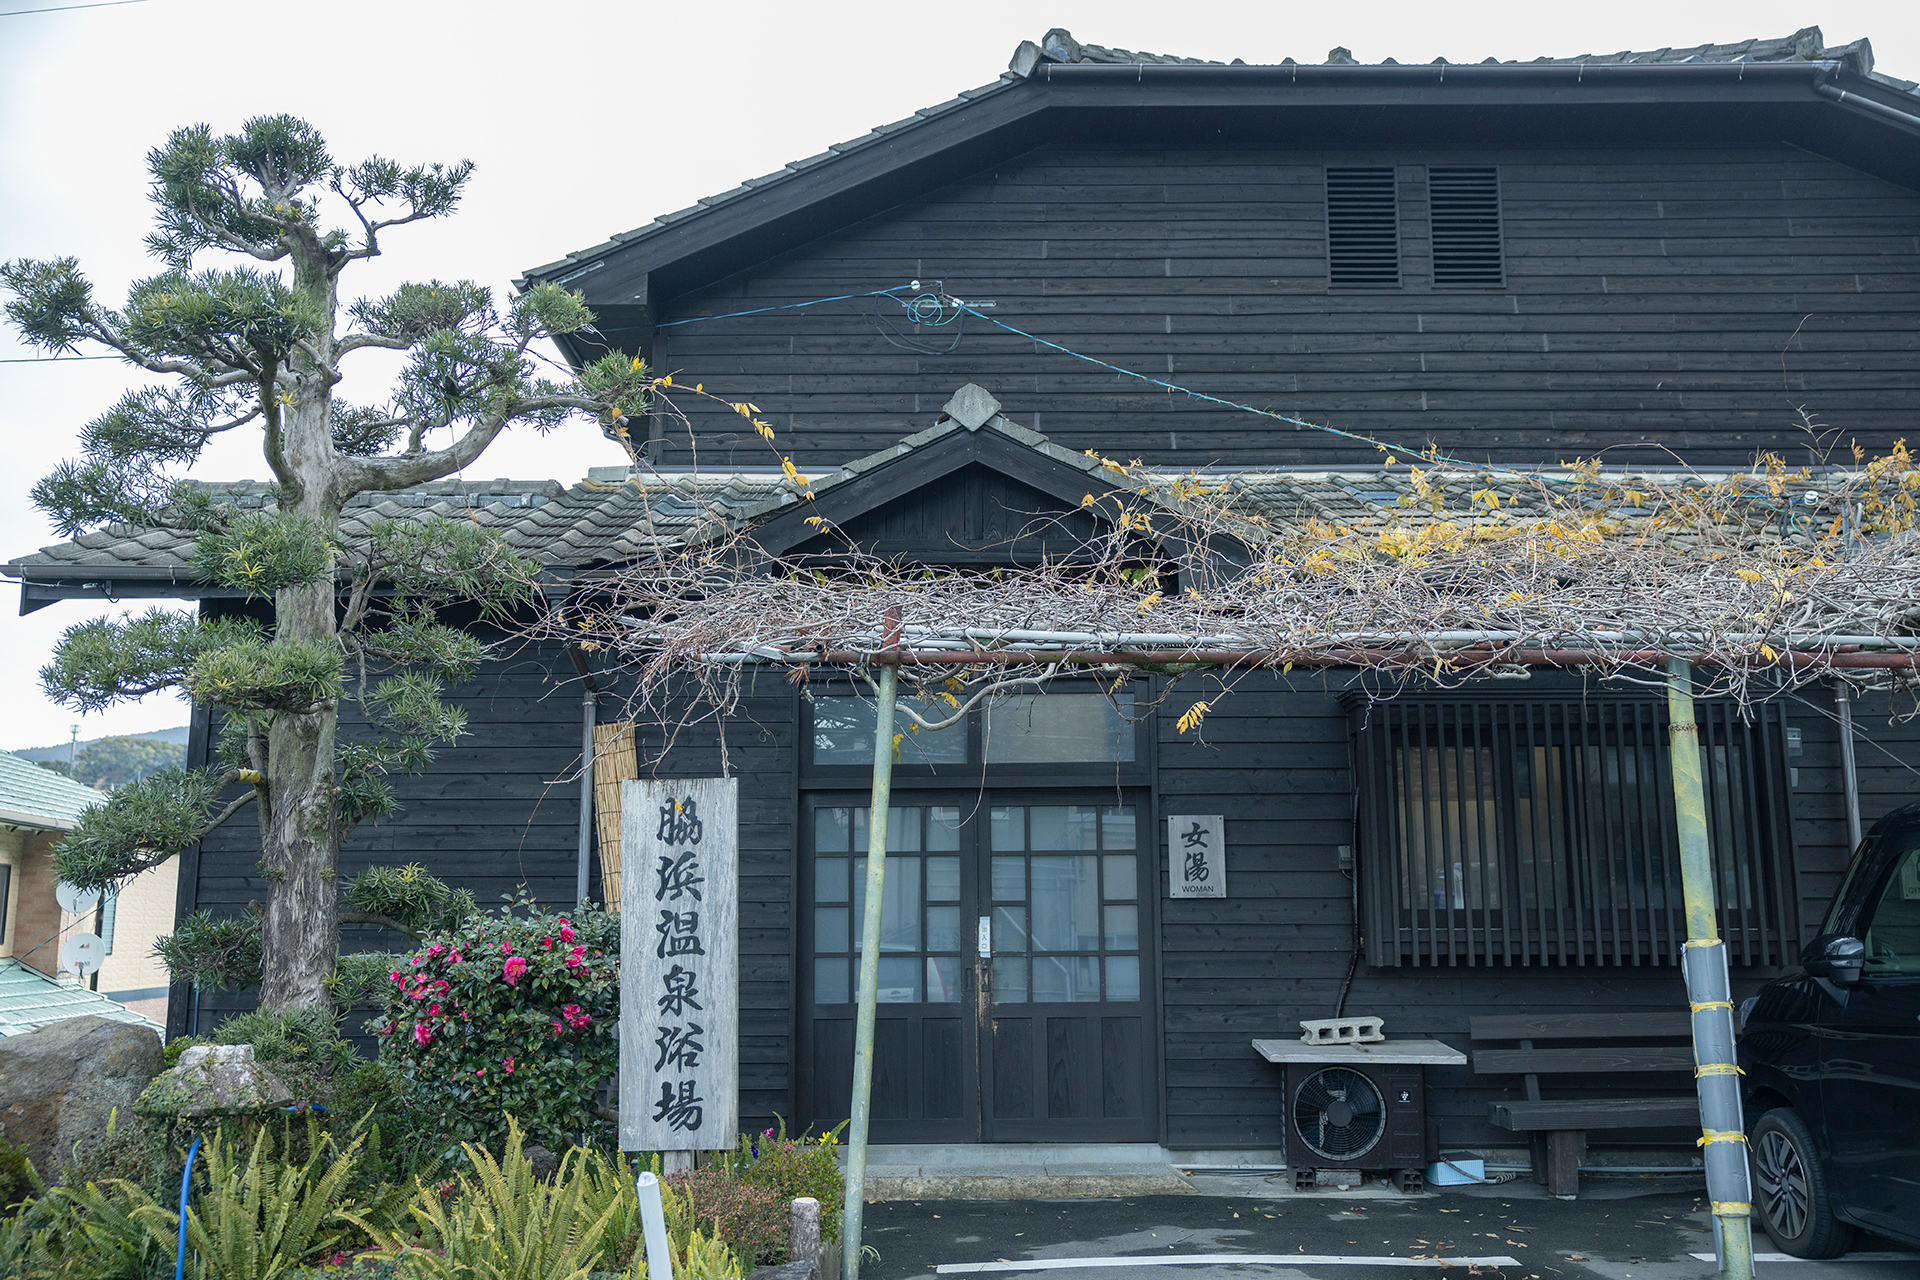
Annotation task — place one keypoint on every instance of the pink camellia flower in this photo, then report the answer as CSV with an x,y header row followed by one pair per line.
x,y
546,943
396,975
435,951
556,1025
417,960
566,931
433,1010
515,966
575,1018
508,1064
422,1034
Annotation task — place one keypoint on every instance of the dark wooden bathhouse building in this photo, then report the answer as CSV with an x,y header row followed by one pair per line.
x,y
1681,258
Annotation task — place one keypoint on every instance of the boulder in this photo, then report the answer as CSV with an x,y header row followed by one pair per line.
x,y
215,1080
61,1083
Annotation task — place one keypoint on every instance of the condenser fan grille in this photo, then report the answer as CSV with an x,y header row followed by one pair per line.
x,y
1339,1114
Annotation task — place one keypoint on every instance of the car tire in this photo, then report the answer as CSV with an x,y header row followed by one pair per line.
x,y
1790,1188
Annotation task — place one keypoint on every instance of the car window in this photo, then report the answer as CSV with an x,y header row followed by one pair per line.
x,y
1862,855
1893,923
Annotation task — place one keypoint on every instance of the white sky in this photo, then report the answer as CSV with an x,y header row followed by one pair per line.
x,y
585,119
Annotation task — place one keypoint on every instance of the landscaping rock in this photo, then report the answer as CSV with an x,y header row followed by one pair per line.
x,y
61,1083
215,1080
542,1163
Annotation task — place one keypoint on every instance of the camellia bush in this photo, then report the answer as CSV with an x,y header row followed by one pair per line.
x,y
511,1013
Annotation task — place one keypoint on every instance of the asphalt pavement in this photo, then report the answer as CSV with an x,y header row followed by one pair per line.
x,y
1264,1230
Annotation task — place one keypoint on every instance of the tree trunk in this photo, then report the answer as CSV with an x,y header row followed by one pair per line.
x,y
300,837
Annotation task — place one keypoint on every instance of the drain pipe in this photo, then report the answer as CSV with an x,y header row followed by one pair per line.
x,y
588,706
1709,992
861,1111
1849,773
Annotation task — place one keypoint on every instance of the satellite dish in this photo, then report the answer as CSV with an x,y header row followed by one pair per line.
x,y
75,900
82,953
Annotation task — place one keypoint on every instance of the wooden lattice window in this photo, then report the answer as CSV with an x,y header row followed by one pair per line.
x,y
1363,228
1541,831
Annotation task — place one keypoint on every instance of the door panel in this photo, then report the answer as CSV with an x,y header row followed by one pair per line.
x,y
1068,994
1047,1037
1870,1060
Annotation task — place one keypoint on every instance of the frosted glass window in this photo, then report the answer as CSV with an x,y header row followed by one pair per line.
x,y
943,879
943,828
1117,827
830,983
1060,728
1009,829
1123,884
830,880
943,928
1122,928
899,980
943,980
1064,827
830,929
1123,977
1010,981
843,733
1009,879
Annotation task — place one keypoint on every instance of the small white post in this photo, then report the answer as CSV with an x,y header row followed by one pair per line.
x,y
653,1222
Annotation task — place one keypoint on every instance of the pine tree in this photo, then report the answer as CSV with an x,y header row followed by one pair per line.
x,y
259,346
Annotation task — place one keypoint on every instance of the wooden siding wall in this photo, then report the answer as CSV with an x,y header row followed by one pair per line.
x,y
1678,298
1273,758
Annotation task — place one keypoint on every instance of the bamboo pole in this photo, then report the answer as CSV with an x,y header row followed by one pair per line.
x,y
869,976
1709,992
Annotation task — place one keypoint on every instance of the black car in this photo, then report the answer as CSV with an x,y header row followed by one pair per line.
x,y
1832,1062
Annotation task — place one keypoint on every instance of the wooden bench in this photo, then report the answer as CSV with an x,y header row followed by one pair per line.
x,y
1597,1044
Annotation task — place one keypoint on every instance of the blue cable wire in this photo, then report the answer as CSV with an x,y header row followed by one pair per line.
x,y
186,1181
788,306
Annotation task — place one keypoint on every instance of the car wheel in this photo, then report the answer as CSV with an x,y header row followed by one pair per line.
x,y
1790,1189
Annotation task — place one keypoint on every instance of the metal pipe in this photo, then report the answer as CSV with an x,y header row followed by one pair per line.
x,y
1709,993
1324,658
587,708
1849,773
860,1112
1867,104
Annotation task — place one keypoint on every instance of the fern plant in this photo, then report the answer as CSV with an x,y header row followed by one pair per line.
x,y
254,1221
105,1231
503,1223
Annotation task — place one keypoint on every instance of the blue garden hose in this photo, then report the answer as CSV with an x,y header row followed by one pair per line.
x,y
186,1180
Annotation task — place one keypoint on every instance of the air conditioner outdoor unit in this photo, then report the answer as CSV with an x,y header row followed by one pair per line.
x,y
1367,1116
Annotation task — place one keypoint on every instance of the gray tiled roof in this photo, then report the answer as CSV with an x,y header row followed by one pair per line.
x,y
618,516
32,796
30,1000
1058,47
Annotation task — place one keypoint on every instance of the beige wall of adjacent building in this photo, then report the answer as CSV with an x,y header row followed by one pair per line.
x,y
36,926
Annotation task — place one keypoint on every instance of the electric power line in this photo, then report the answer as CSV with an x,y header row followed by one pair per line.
x,y
63,8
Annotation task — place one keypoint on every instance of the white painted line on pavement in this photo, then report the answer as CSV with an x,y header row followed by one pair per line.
x,y
1224,1260
1848,1257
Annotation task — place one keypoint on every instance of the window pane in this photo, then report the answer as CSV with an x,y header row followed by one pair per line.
x,y
843,730
1009,929
943,828
1056,728
1065,905
830,929
943,879
943,980
830,830
830,981
1064,827
1123,883
899,904
1010,981
943,928
903,830
1123,977
1066,979
899,981
1893,930
830,880
1116,828
1009,829
1122,928
1009,879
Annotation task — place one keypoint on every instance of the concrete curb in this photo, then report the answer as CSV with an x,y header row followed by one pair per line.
x,y
1030,1187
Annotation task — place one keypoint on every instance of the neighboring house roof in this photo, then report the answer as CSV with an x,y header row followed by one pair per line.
x,y
619,516
34,797
30,1000
875,162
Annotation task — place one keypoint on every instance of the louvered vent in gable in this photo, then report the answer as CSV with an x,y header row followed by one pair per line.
x,y
1363,228
1464,203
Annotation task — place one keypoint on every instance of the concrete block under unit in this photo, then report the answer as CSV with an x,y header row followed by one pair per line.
x,y
1341,1031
